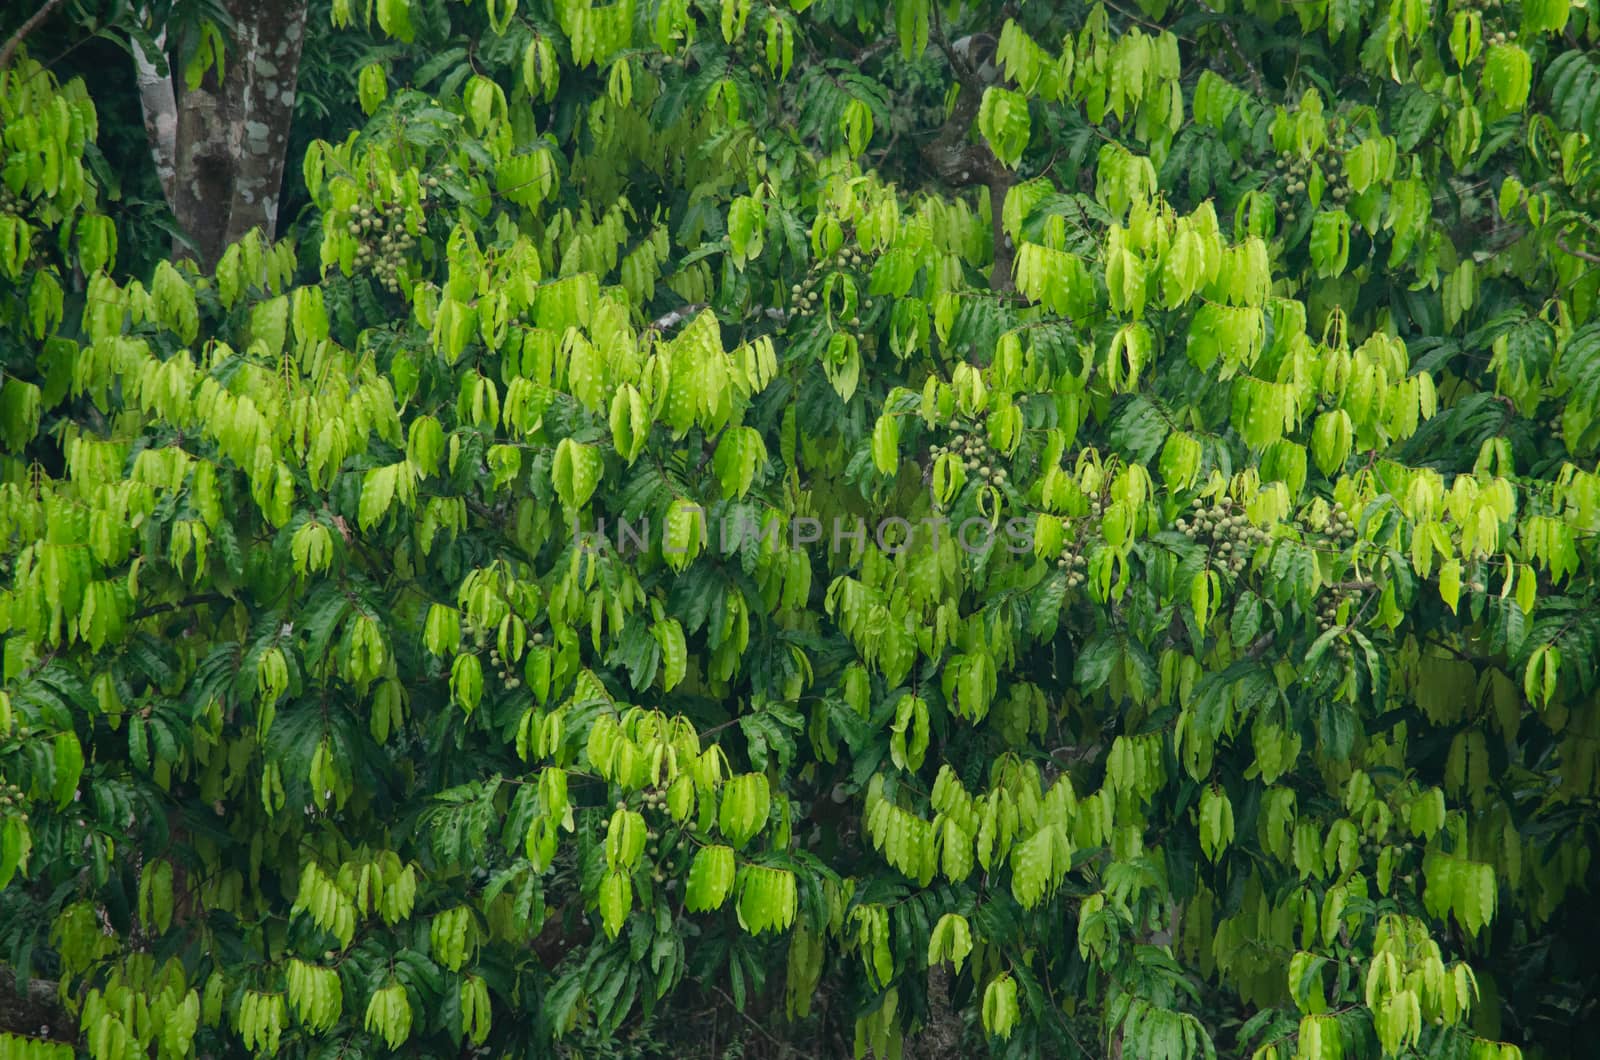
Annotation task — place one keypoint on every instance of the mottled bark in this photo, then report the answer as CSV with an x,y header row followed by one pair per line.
x,y
202,193
219,147
951,154
267,71
940,1038
160,108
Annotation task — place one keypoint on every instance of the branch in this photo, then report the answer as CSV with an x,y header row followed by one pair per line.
x,y
939,362
1000,181
937,26
960,163
15,40
260,88
940,1036
682,313
860,54
178,605
873,50
1233,42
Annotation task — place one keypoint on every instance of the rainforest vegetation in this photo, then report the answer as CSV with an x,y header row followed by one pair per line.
x,y
800,528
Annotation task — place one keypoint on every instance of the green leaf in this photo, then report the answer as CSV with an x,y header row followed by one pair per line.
x,y
616,900
575,473
1000,1011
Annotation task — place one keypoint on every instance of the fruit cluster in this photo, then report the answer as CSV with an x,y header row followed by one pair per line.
x,y
1486,10
1328,608
655,803
16,206
974,453
1071,560
1337,524
805,301
1297,172
502,670
1328,617
1230,537
804,295
384,241
12,800
502,666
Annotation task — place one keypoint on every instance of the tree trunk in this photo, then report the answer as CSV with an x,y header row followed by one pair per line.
x,y
959,161
940,1038
202,191
219,147
268,67
33,1011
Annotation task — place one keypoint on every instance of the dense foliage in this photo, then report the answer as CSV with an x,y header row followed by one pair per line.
x,y
1039,528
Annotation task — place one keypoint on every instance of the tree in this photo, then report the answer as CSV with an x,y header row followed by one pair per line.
x,y
1041,528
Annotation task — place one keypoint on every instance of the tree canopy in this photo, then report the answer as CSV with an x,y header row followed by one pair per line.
x,y
705,527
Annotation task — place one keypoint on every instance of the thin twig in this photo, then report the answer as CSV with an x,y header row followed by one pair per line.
x,y
782,1049
1582,255
1136,17
964,73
